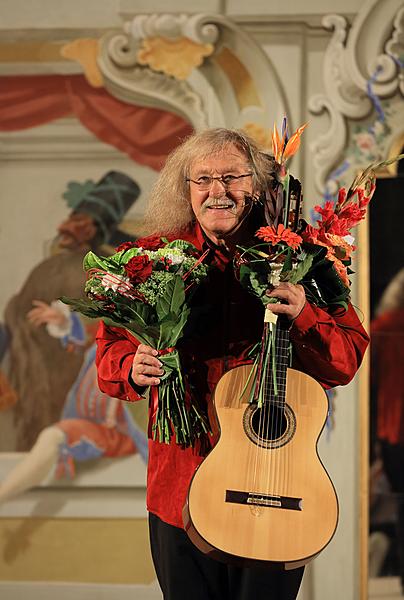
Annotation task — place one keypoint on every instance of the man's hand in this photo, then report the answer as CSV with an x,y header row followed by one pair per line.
x,y
146,366
292,300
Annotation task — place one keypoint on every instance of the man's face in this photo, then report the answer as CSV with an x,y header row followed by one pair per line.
x,y
76,232
220,209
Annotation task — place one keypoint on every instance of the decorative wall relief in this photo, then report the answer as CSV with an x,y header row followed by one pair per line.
x,y
202,67
174,57
363,67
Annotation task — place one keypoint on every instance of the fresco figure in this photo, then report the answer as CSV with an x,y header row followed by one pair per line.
x,y
92,425
37,366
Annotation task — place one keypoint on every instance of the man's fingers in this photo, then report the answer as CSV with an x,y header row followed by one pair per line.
x,y
292,299
143,349
144,381
146,359
146,367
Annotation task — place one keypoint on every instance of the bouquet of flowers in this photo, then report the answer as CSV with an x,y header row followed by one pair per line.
x,y
292,251
145,287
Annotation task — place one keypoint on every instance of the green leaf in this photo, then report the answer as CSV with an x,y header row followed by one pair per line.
x,y
145,335
143,312
301,270
128,254
82,306
117,258
92,261
182,245
166,328
172,299
178,326
287,265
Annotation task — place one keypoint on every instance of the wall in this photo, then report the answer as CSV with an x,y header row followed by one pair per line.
x,y
292,36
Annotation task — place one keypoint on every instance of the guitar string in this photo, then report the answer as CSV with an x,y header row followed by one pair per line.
x,y
275,380
266,467
266,417
281,416
271,423
284,463
276,470
258,466
271,475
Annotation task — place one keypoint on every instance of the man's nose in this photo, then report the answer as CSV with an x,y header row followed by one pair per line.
x,y
217,184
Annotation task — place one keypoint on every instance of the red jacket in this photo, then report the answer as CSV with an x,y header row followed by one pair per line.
x,y
328,347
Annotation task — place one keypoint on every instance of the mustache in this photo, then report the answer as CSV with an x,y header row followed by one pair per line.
x,y
225,201
222,201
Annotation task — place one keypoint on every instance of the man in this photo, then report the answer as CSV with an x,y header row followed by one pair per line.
x,y
205,194
40,371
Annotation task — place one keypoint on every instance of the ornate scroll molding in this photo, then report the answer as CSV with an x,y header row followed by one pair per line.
x,y
372,51
227,79
132,82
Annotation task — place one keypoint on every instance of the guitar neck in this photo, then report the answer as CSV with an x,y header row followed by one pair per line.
x,y
275,383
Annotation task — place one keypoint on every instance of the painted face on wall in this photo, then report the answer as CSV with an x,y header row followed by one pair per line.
x,y
219,185
76,232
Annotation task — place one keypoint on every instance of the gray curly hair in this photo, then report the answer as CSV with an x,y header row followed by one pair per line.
x,y
169,210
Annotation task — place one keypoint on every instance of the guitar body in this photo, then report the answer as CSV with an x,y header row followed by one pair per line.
x,y
262,494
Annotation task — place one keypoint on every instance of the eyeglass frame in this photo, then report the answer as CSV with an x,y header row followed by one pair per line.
x,y
219,178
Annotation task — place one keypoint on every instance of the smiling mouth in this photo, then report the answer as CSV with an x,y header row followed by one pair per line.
x,y
223,204
220,207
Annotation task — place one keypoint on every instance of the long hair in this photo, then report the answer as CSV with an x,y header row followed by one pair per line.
x,y
169,209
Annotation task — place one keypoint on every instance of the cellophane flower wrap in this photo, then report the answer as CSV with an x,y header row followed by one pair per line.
x,y
289,250
146,287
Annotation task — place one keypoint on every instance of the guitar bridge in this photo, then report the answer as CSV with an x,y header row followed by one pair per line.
x,y
269,500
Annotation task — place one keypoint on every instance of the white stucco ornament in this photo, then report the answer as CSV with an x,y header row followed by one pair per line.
x,y
202,67
360,62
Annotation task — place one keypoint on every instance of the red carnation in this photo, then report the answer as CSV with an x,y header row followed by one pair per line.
x,y
139,268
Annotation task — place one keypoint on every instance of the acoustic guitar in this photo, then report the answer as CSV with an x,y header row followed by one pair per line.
x,y
262,495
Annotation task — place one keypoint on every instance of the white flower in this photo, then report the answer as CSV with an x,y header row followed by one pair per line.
x,y
173,254
116,283
175,258
274,276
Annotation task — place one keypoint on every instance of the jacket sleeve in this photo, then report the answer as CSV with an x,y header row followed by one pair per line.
x,y
115,351
328,345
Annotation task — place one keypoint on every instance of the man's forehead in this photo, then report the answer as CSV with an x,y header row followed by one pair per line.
x,y
226,160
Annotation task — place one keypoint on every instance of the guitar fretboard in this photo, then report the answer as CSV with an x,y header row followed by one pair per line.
x,y
275,382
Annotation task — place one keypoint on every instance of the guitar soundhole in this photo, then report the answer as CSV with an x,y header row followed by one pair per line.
x,y
270,426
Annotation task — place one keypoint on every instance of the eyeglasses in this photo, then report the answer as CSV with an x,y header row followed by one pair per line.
x,y
229,182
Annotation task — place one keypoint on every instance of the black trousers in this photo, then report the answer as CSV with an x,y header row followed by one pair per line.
x,y
184,572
